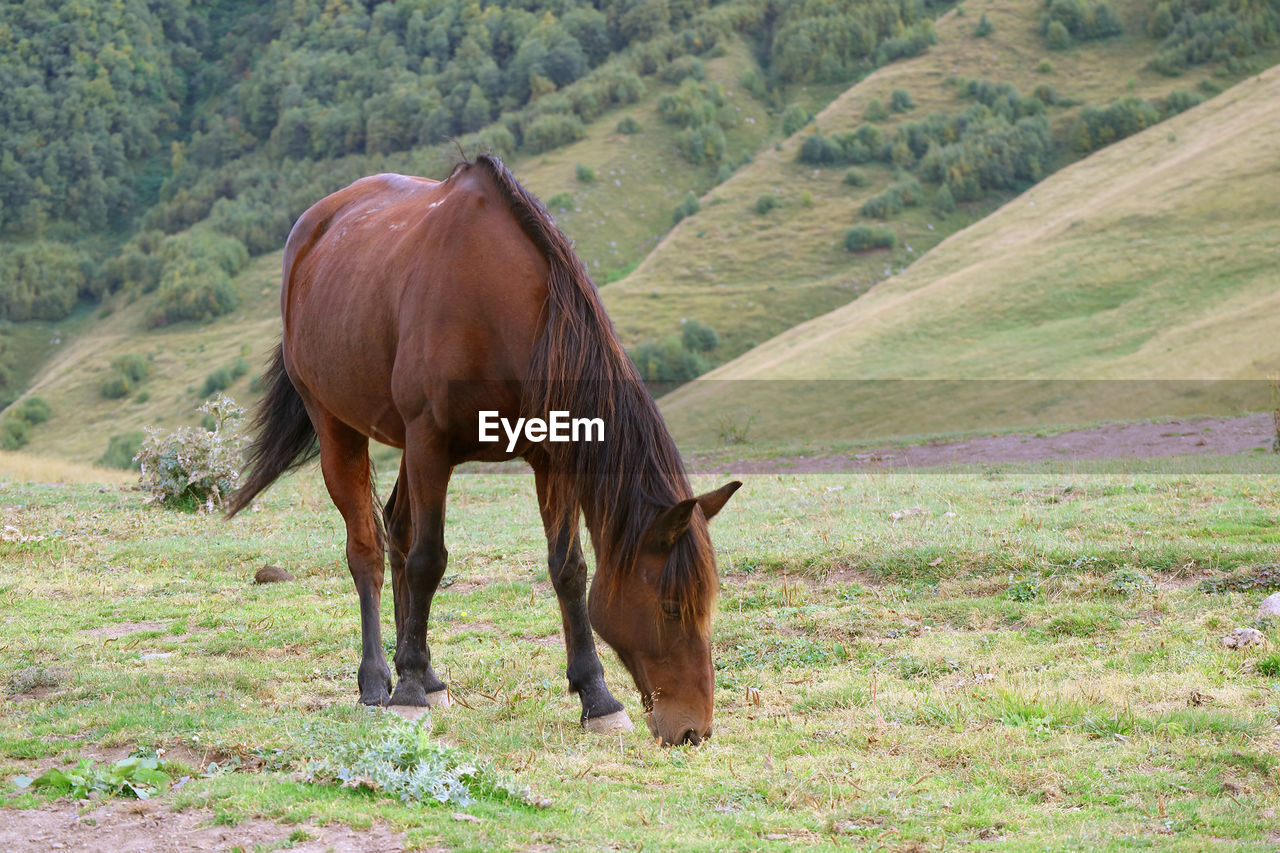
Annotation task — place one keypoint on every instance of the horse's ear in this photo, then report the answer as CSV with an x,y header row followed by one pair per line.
x,y
713,502
669,526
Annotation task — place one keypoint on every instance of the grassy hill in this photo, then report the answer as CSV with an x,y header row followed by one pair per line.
x,y
615,220
752,275
1155,258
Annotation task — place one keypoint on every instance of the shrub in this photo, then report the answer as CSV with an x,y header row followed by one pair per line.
x,y
14,432
193,467
944,202
585,174
195,282
699,338
1057,37
628,125
667,361
817,150
552,130
121,449
131,365
34,410
984,27
219,380
863,238
901,101
1045,67
794,119
688,207
705,143
115,386
680,68
856,178
1097,127
875,111
766,203
561,201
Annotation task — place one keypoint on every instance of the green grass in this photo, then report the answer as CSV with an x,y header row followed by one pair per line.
x,y
772,273
876,680
1151,259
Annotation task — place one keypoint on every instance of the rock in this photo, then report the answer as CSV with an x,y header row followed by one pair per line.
x,y
272,574
1270,606
1241,637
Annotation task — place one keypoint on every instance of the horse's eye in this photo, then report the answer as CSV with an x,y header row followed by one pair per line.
x,y
671,611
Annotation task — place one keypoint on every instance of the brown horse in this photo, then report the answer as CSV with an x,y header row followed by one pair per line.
x,y
410,306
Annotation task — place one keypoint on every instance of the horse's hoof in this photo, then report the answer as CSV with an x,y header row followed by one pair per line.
x,y
409,712
439,699
618,721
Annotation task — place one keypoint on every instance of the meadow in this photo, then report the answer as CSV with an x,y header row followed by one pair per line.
x,y
1009,657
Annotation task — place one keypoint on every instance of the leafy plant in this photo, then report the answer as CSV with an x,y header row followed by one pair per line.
x,y
1268,666
121,450
984,27
192,466
133,777
1266,576
766,203
34,410
1024,589
561,201
863,238
729,431
585,174
406,763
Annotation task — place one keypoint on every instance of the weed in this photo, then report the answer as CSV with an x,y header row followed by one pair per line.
x,y
1024,589
731,432
134,777
191,467
1268,666
1265,576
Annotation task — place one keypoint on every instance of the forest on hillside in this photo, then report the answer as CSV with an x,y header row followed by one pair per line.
x,y
159,144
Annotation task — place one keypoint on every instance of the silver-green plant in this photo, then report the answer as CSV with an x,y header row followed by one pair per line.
x,y
194,467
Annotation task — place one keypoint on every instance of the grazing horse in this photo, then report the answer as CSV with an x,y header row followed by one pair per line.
x,y
410,306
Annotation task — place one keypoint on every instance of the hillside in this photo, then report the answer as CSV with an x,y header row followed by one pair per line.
x,y
752,275
1154,258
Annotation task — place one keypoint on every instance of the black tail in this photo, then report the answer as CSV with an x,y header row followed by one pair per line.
x,y
286,439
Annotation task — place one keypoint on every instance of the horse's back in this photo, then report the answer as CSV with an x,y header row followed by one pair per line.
x,y
395,286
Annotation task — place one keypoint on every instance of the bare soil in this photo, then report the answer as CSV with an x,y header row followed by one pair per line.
x,y
1190,437
151,827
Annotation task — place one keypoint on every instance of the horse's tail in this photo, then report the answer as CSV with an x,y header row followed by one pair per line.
x,y
285,437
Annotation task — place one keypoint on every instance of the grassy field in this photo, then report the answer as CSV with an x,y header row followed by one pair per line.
x,y
1015,658
1153,259
773,271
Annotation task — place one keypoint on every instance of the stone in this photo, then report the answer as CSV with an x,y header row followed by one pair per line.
x,y
1241,637
1270,606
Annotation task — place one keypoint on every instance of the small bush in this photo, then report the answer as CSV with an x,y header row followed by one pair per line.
x,y
1024,589
817,150
1057,37
131,365
561,201
766,203
219,380
668,361
585,174
115,386
795,118
34,410
686,208
863,238
193,467
984,27
901,101
628,125
121,449
875,111
680,68
856,178
14,433
944,202
1045,67
699,338
552,130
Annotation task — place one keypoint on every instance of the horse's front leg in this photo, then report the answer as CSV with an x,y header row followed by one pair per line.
x,y
424,483
601,712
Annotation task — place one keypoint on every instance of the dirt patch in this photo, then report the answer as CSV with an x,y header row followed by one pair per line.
x,y
151,827
1192,437
123,629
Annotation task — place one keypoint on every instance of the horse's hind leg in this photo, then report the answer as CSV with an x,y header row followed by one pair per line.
x,y
601,712
344,459
399,526
424,482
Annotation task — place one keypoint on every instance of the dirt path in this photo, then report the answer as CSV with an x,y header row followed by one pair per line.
x,y
1191,437
151,827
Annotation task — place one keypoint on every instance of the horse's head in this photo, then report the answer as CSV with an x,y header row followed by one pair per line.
x,y
657,617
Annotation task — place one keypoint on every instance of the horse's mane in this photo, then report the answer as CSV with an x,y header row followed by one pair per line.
x,y
579,366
